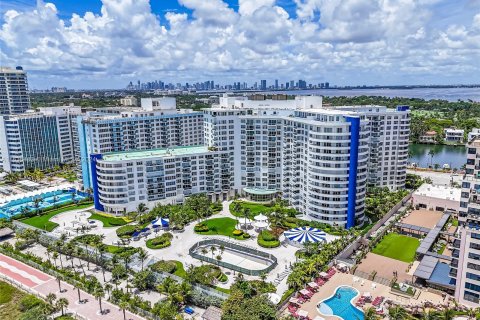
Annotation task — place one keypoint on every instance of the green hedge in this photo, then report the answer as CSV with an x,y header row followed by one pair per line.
x,y
160,242
126,231
168,266
267,239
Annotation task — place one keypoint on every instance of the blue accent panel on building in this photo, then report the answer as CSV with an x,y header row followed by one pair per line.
x,y
84,159
403,108
353,166
93,166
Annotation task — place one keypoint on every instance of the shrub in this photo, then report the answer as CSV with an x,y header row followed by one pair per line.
x,y
246,236
237,232
201,227
28,302
268,244
167,266
267,235
126,231
222,278
160,242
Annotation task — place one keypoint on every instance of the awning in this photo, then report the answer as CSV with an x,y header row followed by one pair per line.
x,y
312,285
305,234
261,217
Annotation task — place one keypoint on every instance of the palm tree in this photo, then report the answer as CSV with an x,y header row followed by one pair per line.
x,y
142,255
61,304
123,305
36,203
397,313
263,276
431,153
59,280
55,200
447,314
98,294
213,249
370,314
237,207
246,214
141,209
108,288
12,177
77,285
51,297
222,249
55,256
219,258
428,315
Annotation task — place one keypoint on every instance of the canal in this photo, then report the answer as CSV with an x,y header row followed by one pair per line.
x,y
455,156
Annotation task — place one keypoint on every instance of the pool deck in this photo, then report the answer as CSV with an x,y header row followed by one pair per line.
x,y
343,279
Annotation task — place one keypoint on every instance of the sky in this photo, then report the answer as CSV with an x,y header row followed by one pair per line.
x,y
107,43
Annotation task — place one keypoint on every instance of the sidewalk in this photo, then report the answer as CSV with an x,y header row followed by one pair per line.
x,y
43,284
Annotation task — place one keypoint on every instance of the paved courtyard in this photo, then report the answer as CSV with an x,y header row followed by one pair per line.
x,y
384,267
423,218
43,284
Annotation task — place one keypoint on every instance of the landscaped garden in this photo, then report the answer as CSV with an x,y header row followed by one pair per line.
x,y
160,242
397,246
42,221
237,208
107,220
220,226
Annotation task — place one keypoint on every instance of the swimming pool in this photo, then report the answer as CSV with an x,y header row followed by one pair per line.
x,y
340,304
49,199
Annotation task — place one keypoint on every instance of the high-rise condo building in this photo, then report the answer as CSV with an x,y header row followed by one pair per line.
x,y
40,139
14,96
388,147
465,266
316,158
156,124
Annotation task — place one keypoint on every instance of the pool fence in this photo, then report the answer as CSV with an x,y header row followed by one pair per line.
x,y
236,247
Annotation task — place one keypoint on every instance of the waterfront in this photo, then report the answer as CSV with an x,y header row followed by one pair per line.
x,y
455,156
449,94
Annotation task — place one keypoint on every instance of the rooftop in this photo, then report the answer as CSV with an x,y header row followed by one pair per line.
x,y
439,192
154,153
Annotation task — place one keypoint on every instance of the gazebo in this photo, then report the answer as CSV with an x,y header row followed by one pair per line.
x,y
261,221
300,236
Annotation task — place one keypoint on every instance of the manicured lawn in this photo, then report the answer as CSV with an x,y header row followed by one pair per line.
x,y
221,226
108,221
397,247
255,208
42,222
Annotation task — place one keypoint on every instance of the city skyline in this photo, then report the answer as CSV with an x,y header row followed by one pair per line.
x,y
103,45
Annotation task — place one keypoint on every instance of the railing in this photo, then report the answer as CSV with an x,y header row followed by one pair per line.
x,y
247,250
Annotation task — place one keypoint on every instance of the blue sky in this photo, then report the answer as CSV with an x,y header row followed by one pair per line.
x,y
345,42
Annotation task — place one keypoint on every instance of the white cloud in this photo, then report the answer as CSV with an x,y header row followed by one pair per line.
x,y
328,38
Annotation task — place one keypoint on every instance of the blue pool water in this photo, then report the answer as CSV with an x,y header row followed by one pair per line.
x,y
49,199
339,305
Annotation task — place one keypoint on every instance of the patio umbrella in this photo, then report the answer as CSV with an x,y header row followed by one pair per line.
x,y
303,235
305,292
261,217
274,298
312,285
165,222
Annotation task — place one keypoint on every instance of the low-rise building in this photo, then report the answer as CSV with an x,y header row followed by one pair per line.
x,y
428,137
475,133
129,101
454,135
436,197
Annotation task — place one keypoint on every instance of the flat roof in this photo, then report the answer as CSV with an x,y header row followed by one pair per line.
x,y
432,235
426,267
154,153
438,192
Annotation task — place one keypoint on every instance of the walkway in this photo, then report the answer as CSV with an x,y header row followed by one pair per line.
x,y
43,284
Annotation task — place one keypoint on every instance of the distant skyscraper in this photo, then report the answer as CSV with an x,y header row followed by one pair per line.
x,y
263,84
13,91
292,84
302,84
327,85
276,84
